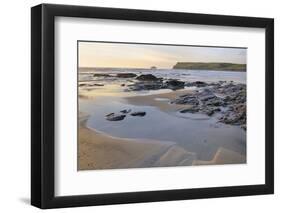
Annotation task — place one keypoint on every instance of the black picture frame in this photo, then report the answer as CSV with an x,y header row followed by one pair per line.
x,y
43,102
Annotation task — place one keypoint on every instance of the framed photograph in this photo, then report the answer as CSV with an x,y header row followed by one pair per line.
x,y
139,106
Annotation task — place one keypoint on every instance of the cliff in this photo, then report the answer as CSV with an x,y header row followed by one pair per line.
x,y
210,66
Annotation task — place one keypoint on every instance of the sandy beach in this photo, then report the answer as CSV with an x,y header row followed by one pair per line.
x,y
126,153
98,150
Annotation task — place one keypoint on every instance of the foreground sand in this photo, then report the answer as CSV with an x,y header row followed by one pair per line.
x,y
100,151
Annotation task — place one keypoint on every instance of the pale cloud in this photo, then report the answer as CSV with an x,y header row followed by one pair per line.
x,y
99,54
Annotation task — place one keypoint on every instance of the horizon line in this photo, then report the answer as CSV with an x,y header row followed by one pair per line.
x,y
164,68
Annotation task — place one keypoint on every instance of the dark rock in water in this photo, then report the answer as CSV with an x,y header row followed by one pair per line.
x,y
205,93
192,109
236,115
175,84
101,75
114,117
189,84
187,99
214,102
147,77
244,127
141,114
232,88
109,114
99,85
122,85
154,84
148,85
235,93
126,111
196,84
211,110
126,75
200,83
207,97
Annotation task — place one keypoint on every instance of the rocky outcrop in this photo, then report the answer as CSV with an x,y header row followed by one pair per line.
x,y
230,104
126,75
146,85
147,77
175,84
235,115
102,75
196,84
186,99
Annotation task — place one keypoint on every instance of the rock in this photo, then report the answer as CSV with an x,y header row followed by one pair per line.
x,y
192,109
101,75
200,84
114,117
147,77
215,85
214,102
126,75
148,85
187,99
236,94
244,127
236,115
196,84
211,110
140,114
122,85
229,118
175,84
126,111
109,114
207,97
231,88
99,85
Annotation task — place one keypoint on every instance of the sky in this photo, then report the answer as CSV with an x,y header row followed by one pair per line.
x,y
125,55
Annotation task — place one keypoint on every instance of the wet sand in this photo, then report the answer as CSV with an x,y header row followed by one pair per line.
x,y
101,151
153,100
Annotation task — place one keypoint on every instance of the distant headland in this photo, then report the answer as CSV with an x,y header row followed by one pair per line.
x,y
210,66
